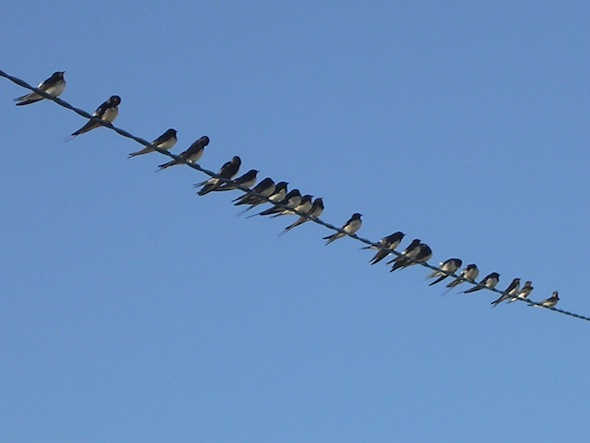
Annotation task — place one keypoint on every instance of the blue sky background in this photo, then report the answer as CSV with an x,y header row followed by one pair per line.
x,y
131,310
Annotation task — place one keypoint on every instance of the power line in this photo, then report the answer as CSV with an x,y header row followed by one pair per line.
x,y
211,174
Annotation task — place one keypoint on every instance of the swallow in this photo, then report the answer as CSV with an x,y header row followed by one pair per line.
x,y
523,293
297,203
446,268
165,141
316,209
304,205
247,181
192,155
350,228
291,200
416,253
550,302
54,86
423,255
279,193
387,241
489,281
469,273
509,292
227,171
411,250
385,246
107,112
265,188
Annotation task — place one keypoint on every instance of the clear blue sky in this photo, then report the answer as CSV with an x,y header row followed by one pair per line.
x,y
132,310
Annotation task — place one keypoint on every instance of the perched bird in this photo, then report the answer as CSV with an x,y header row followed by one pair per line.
x,y
316,209
265,188
247,181
107,112
279,193
191,155
291,200
423,255
447,268
387,241
54,86
385,246
350,227
227,171
412,249
469,273
165,141
303,206
523,293
413,254
550,302
489,281
509,292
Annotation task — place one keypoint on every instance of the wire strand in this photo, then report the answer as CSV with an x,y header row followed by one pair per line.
x,y
248,191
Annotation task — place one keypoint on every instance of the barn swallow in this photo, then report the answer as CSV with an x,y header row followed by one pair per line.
x,y
304,206
191,155
316,209
446,268
350,227
469,273
411,249
423,255
227,171
279,193
388,241
550,302
489,281
247,181
385,246
291,200
165,141
509,292
54,86
107,112
265,188
416,253
523,293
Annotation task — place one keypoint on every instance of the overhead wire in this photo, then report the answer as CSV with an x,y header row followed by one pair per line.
x,y
246,190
